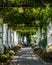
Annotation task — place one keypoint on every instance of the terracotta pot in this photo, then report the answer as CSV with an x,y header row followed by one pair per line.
x,y
2,63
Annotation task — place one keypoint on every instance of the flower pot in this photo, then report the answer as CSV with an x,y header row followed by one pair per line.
x,y
2,63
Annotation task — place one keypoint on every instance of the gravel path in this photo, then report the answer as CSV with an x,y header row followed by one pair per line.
x,y
26,56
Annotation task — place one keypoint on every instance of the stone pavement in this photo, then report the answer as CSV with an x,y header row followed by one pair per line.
x,y
26,56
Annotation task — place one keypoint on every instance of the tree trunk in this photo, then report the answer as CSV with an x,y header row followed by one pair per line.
x,y
40,40
45,39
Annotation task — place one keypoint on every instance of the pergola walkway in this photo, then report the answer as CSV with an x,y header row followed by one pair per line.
x,y
26,56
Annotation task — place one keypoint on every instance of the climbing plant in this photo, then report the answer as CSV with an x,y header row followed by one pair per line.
x,y
23,15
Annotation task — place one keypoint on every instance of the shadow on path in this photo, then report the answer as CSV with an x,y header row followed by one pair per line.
x,y
26,56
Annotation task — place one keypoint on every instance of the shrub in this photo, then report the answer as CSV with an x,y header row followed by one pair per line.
x,y
46,56
50,55
40,51
19,47
1,54
11,52
34,46
36,49
50,48
4,58
16,48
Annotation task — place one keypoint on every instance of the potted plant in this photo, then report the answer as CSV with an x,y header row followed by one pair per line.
x,y
11,52
4,58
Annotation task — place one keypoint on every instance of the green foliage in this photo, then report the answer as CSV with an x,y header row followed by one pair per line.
x,y
44,43
49,47
11,52
4,58
30,17
28,39
1,2
1,21
40,44
26,15
31,13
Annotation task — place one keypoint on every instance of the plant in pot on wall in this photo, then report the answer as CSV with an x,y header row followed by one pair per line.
x,y
11,53
19,47
4,58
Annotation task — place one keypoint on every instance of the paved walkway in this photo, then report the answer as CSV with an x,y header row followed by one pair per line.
x,y
26,56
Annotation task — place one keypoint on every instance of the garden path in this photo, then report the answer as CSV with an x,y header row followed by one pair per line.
x,y
26,56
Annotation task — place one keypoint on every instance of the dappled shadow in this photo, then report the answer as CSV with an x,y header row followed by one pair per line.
x,y
26,57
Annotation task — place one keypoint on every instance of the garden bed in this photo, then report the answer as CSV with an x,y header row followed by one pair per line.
x,y
44,62
44,56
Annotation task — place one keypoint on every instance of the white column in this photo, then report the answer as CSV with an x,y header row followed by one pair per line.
x,y
38,36
49,34
5,27
15,38
12,38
